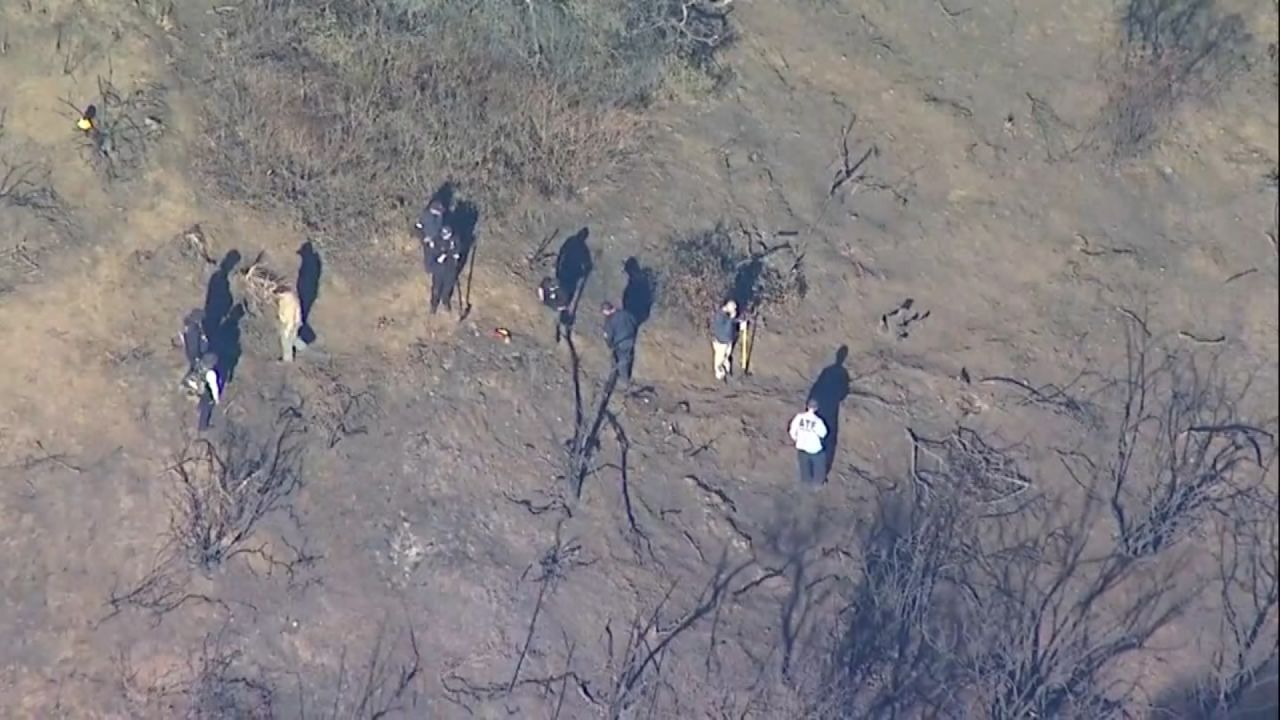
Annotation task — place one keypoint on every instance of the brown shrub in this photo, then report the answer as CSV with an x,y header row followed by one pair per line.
x,y
1171,52
350,112
707,267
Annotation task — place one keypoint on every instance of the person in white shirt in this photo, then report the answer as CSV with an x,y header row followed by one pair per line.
x,y
808,431
203,380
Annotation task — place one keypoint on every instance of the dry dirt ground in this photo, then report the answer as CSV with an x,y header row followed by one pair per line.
x,y
432,475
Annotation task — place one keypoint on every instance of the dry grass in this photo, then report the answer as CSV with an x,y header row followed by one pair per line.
x,y
1171,52
349,112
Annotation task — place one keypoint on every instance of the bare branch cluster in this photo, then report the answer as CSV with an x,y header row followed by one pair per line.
x,y
1181,452
959,611
1247,602
707,267
335,407
634,669
217,682
223,491
384,686
125,126
214,684
1172,51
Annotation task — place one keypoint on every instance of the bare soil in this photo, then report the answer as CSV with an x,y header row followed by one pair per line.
x,y
434,494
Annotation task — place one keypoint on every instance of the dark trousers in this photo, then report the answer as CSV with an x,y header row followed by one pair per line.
x,y
623,358
813,467
204,411
443,278
564,323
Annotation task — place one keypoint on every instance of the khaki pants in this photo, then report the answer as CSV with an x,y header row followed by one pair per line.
x,y
722,358
290,343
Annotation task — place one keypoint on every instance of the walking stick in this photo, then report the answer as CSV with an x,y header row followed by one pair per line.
x,y
471,269
748,333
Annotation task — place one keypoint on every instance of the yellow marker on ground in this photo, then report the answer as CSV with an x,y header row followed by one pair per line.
x,y
87,117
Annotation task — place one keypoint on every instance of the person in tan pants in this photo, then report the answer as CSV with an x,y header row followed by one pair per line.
x,y
724,333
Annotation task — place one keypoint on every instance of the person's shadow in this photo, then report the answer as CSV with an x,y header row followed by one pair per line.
x,y
744,283
637,296
573,267
225,342
222,317
830,389
444,194
217,294
309,272
464,219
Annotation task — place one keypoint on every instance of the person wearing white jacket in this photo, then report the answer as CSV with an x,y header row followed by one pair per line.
x,y
809,432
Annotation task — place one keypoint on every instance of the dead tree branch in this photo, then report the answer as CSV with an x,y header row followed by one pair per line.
x,y
850,169
1029,612
650,638
1179,453
624,447
217,682
555,564
222,491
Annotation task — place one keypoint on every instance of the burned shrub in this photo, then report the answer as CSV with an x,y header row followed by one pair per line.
x,y
215,683
707,267
119,129
1171,52
222,491
346,111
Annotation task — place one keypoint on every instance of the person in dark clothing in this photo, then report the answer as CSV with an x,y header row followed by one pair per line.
x,y
193,338
553,296
431,221
724,333
443,258
620,332
202,379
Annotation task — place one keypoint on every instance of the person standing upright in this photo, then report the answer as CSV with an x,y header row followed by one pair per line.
x,y
430,222
620,333
724,333
193,338
809,433
201,377
203,381
444,259
553,296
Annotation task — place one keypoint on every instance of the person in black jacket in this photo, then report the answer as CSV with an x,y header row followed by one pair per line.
x,y
620,332
193,338
724,333
443,258
430,222
554,297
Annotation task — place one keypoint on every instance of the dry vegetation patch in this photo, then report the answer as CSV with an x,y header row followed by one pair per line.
x,y
1170,52
704,268
347,111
